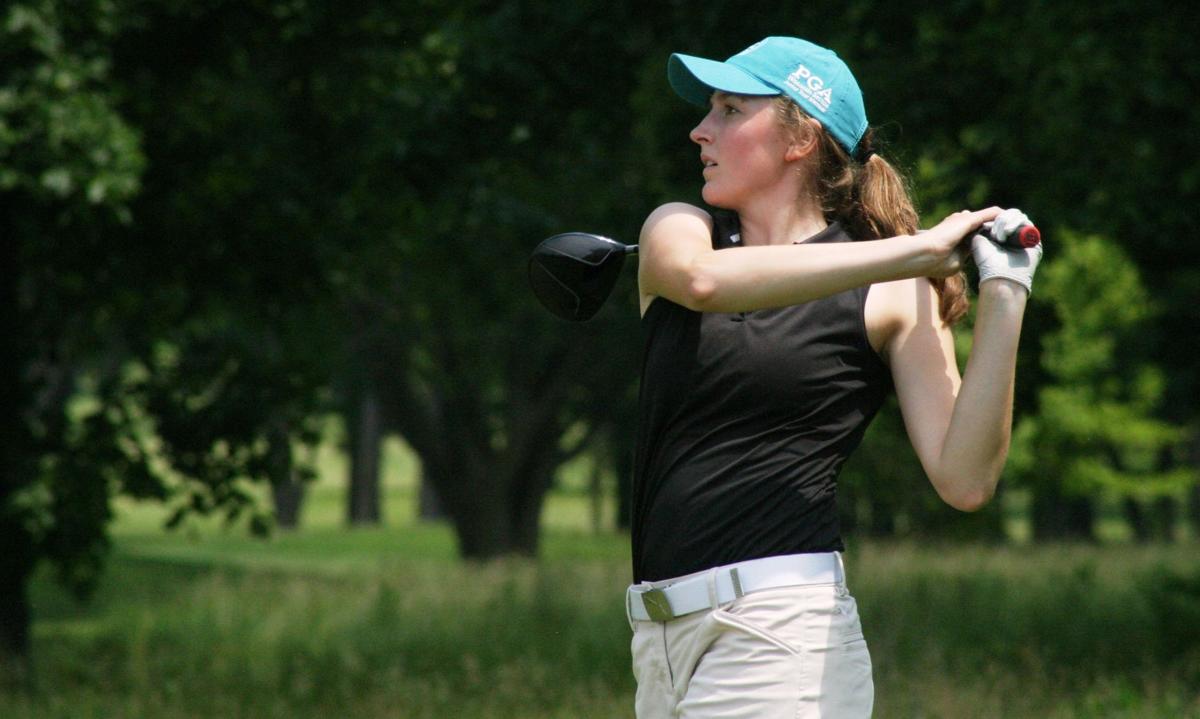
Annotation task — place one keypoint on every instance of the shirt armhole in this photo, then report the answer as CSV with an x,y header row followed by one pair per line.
x,y
864,339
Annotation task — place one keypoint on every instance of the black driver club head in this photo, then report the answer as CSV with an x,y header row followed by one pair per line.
x,y
573,273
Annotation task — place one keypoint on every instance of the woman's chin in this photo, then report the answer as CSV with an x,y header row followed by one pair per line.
x,y
713,196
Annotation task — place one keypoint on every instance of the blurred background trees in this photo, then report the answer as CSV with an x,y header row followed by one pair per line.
x,y
69,165
224,221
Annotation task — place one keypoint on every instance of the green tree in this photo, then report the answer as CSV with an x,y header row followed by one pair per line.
x,y
349,193
239,218
338,199
69,164
1095,430
490,382
1024,105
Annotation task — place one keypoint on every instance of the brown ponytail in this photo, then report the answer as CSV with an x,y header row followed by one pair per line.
x,y
871,199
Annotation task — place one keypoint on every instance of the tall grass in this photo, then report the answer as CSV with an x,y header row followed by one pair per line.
x,y
1033,632
386,623
405,639
1017,636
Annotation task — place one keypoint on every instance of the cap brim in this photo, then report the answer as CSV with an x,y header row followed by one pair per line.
x,y
695,79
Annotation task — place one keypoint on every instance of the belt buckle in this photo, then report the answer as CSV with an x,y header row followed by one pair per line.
x,y
657,606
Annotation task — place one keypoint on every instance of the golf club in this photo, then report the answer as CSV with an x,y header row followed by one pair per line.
x,y
573,273
1021,237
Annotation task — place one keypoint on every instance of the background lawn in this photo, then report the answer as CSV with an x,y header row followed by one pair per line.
x,y
386,622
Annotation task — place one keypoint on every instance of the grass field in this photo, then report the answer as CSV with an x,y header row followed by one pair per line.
x,y
385,622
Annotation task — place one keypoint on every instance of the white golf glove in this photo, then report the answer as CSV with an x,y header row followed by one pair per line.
x,y
995,261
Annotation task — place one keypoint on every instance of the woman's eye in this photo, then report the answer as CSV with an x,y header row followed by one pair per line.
x,y
730,110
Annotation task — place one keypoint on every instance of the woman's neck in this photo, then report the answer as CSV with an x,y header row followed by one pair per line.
x,y
784,225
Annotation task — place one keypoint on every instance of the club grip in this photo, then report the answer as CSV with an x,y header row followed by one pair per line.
x,y
1023,236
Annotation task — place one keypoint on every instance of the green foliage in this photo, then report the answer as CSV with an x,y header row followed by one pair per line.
x,y
61,140
69,165
1095,428
883,492
376,627
226,218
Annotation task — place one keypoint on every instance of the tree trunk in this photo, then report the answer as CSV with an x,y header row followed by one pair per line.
x,y
527,529
17,550
1135,516
490,486
481,521
495,511
429,507
366,436
527,515
287,491
16,567
1059,517
596,497
288,498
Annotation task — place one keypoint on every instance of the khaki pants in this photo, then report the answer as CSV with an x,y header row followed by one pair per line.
x,y
795,652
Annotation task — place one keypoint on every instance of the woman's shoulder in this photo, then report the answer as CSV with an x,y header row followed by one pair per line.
x,y
894,307
675,221
908,298
677,213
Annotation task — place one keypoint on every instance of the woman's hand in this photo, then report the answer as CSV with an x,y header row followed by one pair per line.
x,y
999,262
945,243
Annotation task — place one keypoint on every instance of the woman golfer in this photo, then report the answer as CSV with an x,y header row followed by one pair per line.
x,y
772,335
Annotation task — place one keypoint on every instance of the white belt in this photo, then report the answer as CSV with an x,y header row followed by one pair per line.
x,y
672,598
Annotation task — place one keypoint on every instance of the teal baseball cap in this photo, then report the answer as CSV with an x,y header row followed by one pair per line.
x,y
811,75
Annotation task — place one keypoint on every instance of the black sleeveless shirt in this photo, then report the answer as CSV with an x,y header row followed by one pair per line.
x,y
745,420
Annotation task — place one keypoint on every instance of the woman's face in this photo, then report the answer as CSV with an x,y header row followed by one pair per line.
x,y
742,148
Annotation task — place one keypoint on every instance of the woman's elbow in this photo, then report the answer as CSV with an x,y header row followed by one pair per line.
x,y
969,499
972,502
695,291
969,488
701,292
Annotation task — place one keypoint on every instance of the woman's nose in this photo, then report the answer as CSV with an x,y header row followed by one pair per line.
x,y
701,134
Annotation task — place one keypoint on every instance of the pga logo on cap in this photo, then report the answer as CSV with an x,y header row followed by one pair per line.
x,y
811,87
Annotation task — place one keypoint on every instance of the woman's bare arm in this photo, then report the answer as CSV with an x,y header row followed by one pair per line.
x,y
960,428
677,262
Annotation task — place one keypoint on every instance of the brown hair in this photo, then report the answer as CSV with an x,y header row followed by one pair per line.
x,y
871,199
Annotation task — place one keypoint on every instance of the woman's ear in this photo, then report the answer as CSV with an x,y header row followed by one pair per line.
x,y
804,140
